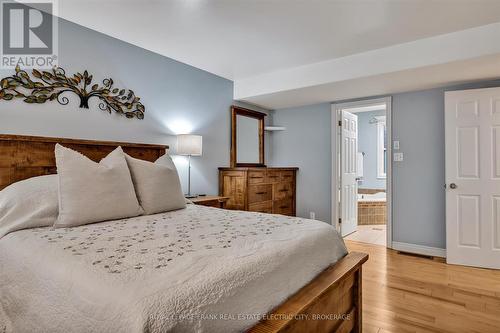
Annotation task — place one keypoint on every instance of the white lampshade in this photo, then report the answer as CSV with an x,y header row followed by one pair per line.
x,y
188,144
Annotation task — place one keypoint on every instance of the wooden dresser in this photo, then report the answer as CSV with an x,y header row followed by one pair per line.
x,y
259,189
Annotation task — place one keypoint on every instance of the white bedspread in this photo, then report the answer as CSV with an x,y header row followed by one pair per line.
x,y
198,269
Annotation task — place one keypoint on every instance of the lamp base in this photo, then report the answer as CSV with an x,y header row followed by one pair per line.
x,y
190,196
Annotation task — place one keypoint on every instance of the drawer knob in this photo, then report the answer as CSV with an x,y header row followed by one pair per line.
x,y
261,193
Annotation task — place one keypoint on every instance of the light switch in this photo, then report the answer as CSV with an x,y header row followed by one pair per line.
x,y
398,157
396,145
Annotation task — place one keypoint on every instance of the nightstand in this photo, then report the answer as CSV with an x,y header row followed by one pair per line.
x,y
211,201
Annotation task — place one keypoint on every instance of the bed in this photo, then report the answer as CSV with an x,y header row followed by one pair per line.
x,y
196,269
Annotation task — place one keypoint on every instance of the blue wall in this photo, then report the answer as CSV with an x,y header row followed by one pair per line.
x,y
418,193
367,143
306,144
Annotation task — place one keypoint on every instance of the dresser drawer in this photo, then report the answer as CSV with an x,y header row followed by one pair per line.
x,y
233,173
258,193
284,207
262,207
287,176
273,176
283,191
256,177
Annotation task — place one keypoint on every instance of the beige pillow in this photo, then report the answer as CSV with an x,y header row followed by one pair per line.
x,y
30,203
156,184
92,192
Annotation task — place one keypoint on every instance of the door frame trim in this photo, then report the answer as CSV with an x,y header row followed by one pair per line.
x,y
335,143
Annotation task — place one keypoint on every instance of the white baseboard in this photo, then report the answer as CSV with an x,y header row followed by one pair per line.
x,y
419,249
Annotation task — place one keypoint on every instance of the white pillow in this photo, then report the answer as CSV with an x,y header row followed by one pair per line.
x,y
156,184
92,192
30,203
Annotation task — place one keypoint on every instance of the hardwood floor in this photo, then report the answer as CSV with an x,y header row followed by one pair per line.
x,y
403,293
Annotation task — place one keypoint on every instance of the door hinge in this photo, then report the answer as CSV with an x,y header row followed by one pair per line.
x,y
340,220
340,123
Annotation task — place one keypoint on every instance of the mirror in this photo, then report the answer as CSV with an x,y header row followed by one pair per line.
x,y
247,137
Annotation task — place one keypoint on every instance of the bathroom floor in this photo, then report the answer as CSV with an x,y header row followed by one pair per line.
x,y
373,234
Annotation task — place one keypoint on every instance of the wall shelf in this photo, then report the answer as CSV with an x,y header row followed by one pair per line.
x,y
274,128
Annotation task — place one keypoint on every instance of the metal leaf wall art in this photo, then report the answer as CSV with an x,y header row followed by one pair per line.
x,y
49,86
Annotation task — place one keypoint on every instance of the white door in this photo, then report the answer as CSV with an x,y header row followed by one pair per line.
x,y
472,119
348,182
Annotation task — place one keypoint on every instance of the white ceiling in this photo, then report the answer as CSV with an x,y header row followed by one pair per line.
x,y
243,39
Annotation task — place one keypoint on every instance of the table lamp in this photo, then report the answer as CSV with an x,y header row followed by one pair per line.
x,y
189,145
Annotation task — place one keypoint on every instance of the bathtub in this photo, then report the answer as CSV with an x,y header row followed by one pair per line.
x,y
377,197
372,208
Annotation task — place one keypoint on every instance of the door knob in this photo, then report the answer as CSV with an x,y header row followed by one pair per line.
x,y
453,186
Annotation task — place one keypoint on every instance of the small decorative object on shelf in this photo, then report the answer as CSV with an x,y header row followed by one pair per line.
x,y
49,86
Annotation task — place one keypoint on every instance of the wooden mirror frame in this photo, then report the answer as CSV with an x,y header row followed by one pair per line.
x,y
235,111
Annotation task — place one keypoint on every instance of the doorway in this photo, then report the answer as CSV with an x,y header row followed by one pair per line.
x,y
361,159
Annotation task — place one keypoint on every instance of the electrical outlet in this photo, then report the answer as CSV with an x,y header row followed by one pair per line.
x,y
398,157
312,215
396,145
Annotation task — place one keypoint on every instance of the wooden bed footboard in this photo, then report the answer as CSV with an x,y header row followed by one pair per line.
x,y
331,302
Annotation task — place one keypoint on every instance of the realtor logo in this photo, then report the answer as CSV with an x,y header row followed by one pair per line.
x,y
29,34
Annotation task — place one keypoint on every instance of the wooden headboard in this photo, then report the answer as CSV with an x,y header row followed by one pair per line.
x,y
23,157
